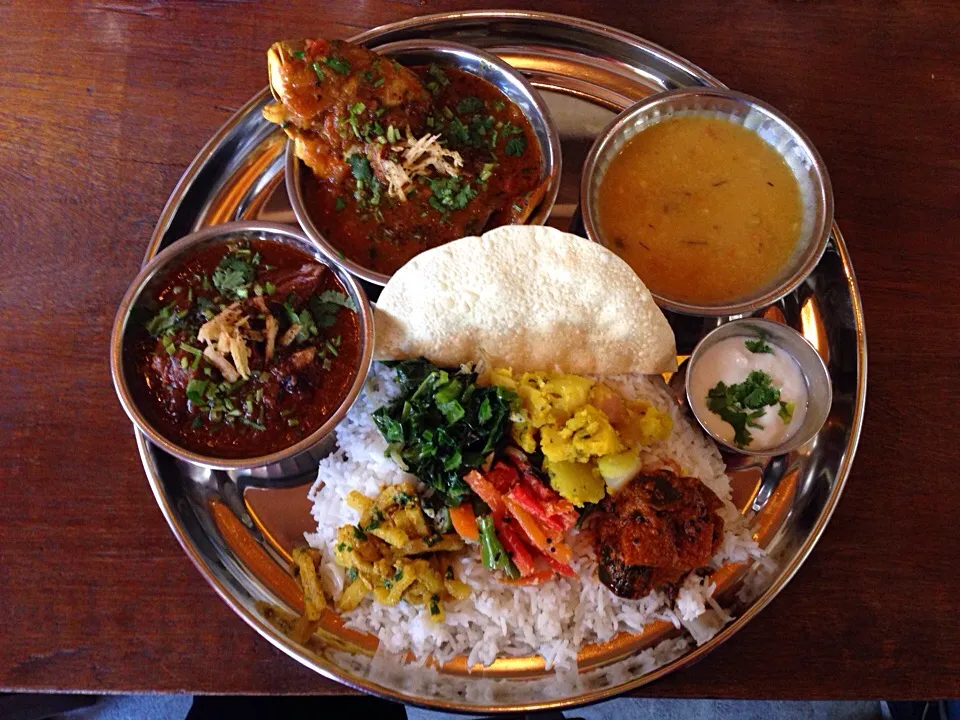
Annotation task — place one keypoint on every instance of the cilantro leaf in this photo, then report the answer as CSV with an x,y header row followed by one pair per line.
x,y
516,145
360,168
470,104
338,298
758,346
740,405
449,194
233,276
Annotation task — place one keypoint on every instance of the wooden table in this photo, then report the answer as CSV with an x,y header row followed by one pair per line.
x,y
103,105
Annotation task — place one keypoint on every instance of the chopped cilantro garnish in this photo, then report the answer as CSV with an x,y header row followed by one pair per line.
x,y
458,133
438,75
758,346
361,168
352,574
742,404
195,390
337,64
340,204
516,145
299,54
165,321
470,104
449,194
233,276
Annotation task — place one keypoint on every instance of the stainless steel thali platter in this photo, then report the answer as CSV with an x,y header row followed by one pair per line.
x,y
238,528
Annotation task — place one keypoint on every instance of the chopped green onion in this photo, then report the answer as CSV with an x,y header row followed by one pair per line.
x,y
251,423
195,390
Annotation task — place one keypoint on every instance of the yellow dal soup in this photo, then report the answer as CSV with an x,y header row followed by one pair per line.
x,y
703,209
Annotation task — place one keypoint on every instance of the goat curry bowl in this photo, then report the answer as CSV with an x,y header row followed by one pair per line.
x,y
407,148
239,346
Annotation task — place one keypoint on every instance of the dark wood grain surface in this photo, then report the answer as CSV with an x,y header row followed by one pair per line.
x,y
102,107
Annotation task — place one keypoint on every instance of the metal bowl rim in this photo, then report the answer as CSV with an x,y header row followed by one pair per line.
x,y
170,254
552,156
822,188
794,441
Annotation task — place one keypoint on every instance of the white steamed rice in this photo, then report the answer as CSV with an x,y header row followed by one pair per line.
x,y
554,619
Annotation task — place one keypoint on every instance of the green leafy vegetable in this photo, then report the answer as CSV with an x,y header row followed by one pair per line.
x,y
318,70
337,64
233,276
443,424
742,404
492,554
758,346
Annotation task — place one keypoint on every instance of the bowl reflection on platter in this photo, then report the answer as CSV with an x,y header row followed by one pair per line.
x,y
140,303
467,59
778,133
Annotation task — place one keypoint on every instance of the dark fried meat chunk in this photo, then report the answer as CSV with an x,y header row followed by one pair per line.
x,y
654,531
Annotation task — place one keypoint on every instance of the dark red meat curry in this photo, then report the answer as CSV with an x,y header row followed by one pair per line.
x,y
465,156
252,346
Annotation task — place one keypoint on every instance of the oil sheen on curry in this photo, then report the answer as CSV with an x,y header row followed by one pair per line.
x,y
402,159
251,347
703,209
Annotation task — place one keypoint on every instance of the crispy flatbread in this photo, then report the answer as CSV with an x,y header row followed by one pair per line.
x,y
526,297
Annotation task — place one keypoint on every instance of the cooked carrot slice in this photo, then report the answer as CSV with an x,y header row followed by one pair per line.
x,y
537,578
487,492
502,476
465,522
549,544
533,506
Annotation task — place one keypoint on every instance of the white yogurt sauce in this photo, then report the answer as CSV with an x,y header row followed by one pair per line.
x,y
729,361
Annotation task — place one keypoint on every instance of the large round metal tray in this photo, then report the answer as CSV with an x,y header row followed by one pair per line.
x,y
238,529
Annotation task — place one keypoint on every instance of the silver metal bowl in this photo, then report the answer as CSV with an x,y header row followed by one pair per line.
x,y
137,302
476,62
776,130
815,375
